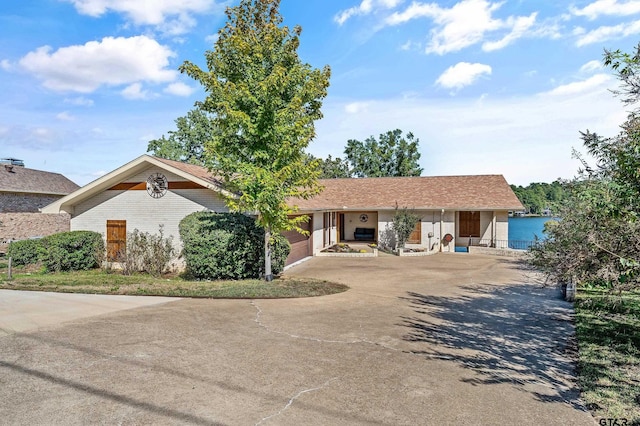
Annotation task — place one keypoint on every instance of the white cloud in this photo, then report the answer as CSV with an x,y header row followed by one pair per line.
x,y
462,74
135,92
6,65
596,82
519,27
179,89
212,39
526,138
65,116
607,7
112,62
466,23
171,16
356,107
591,66
364,8
79,101
605,33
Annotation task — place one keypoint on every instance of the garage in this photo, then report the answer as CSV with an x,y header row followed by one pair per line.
x,y
300,244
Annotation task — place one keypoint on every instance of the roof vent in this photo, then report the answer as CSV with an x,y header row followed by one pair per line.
x,y
12,162
9,168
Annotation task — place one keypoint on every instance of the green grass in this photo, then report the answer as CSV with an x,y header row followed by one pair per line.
x,y
101,282
608,334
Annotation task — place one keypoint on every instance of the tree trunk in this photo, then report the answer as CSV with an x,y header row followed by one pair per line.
x,y
268,276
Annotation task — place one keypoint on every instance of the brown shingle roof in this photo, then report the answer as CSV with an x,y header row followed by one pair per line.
x,y
193,170
483,192
22,179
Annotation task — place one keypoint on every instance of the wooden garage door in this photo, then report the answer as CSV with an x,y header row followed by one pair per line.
x,y
116,239
300,244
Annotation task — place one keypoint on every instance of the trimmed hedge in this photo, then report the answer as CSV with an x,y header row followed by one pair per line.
x,y
71,251
228,246
65,251
24,252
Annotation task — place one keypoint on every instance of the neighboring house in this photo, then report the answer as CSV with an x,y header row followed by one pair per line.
x,y
23,192
149,191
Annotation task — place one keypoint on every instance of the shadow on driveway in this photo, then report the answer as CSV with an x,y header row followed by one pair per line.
x,y
517,334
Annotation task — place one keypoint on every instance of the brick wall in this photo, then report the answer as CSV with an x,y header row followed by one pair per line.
x,y
19,226
17,202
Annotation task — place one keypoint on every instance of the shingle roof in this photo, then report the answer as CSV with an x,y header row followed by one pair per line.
x,y
22,179
481,192
193,170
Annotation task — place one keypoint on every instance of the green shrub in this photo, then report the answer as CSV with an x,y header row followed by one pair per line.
x,y
71,251
228,246
24,252
404,222
150,253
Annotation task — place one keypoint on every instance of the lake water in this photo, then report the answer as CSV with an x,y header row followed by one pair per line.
x,y
527,228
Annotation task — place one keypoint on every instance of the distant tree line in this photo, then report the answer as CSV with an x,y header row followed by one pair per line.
x,y
542,198
391,154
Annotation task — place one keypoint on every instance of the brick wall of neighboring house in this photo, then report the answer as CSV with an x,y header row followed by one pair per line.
x,y
24,202
19,226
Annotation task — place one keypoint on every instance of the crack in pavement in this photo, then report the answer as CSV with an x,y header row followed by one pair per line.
x,y
422,354
315,339
296,396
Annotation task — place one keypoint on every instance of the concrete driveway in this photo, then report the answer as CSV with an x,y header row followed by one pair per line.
x,y
445,339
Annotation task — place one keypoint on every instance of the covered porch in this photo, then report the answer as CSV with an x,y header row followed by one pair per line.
x,y
360,226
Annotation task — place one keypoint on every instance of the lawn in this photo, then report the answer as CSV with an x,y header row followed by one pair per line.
x,y
103,282
608,333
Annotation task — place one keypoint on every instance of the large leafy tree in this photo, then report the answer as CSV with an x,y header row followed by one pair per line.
x,y
598,239
334,168
263,101
187,142
391,155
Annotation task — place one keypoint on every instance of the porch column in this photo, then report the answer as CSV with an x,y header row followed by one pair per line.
x,y
441,228
493,230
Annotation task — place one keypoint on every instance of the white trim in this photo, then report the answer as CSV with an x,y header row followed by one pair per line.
x,y
65,204
298,262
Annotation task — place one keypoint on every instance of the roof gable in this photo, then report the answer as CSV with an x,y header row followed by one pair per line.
x,y
22,179
193,173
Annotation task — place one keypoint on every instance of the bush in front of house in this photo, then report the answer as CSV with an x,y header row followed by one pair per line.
x,y
228,246
24,252
71,251
146,252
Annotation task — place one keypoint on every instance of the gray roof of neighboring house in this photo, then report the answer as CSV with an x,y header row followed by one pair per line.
x,y
24,180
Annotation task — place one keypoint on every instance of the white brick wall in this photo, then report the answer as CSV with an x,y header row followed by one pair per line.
x,y
143,212
430,222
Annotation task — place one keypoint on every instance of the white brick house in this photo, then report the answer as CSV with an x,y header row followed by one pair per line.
x,y
126,199
455,211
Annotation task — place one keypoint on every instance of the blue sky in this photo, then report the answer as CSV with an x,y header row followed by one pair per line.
x,y
487,86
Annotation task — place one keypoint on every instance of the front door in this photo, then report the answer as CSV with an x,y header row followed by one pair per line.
x,y
116,240
469,224
416,234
